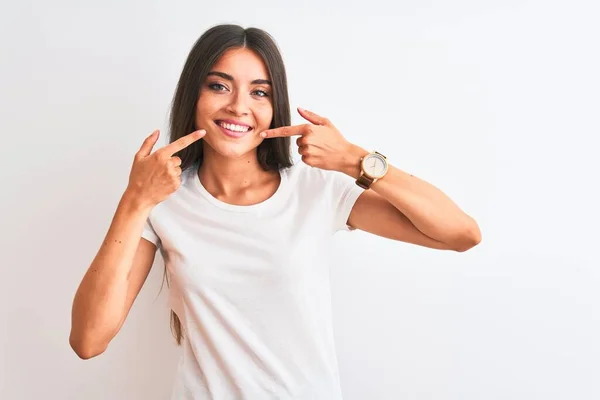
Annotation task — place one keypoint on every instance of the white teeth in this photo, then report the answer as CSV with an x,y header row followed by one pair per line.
x,y
236,128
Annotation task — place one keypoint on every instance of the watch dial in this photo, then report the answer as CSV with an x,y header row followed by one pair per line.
x,y
374,165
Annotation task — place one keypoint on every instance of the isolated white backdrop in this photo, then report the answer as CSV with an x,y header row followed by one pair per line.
x,y
494,102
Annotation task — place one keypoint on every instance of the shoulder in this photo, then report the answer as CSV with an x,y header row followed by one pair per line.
x,y
303,173
319,180
335,191
189,174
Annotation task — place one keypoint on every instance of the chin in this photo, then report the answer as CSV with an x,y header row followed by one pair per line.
x,y
232,150
237,153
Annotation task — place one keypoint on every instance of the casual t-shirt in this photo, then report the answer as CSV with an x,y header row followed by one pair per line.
x,y
250,285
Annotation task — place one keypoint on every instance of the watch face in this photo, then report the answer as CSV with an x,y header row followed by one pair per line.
x,y
374,165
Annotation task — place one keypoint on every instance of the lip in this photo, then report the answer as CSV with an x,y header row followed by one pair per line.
x,y
232,134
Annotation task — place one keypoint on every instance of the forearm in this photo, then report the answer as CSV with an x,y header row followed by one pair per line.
x,y
428,208
100,300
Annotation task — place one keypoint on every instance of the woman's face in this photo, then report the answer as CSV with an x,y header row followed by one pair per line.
x,y
235,103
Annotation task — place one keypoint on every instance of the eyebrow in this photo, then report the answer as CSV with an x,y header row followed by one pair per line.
x,y
230,78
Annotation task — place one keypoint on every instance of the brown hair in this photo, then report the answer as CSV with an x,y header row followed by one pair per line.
x,y
273,154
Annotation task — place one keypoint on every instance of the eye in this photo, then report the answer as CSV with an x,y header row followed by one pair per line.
x,y
261,93
217,86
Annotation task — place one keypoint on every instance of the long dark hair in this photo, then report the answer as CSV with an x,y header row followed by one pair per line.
x,y
273,154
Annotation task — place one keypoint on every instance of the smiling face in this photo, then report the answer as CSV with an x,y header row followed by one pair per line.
x,y
235,104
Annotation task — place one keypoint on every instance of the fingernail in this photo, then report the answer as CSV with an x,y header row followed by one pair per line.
x,y
301,109
263,134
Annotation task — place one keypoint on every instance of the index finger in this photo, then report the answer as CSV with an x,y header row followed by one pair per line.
x,y
183,142
284,131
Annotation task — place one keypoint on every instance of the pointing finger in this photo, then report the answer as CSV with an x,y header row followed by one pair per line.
x,y
284,131
183,142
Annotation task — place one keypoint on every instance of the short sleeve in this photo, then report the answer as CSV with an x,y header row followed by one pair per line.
x,y
149,234
344,192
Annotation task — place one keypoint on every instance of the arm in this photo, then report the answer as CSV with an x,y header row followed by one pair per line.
x,y
112,281
398,206
403,207
123,262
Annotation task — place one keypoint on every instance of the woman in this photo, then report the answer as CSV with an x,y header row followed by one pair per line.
x,y
244,233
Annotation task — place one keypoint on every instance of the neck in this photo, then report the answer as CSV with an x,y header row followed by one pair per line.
x,y
229,178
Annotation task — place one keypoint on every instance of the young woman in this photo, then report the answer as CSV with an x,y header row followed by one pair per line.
x,y
244,233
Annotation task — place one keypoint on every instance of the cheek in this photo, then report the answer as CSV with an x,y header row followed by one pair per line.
x,y
264,115
206,104
200,108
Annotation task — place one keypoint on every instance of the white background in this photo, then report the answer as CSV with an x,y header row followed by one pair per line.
x,y
494,102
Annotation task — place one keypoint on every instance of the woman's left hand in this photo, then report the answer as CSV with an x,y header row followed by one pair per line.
x,y
320,144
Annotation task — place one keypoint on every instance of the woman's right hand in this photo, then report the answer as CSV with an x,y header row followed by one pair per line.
x,y
155,176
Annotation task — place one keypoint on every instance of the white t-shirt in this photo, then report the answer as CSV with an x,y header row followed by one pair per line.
x,y
250,285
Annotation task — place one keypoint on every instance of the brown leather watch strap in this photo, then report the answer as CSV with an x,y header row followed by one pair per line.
x,y
364,181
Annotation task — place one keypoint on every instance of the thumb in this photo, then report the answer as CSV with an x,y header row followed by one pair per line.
x,y
149,143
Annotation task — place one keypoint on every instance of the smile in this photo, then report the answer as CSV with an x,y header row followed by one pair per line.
x,y
234,127
232,130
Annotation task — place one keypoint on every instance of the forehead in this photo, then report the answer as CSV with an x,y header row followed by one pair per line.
x,y
243,64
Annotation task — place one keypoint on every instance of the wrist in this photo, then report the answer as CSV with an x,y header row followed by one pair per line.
x,y
133,202
352,159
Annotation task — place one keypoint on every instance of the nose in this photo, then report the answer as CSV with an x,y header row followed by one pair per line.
x,y
238,104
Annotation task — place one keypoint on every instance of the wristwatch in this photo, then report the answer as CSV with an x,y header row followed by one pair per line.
x,y
373,166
